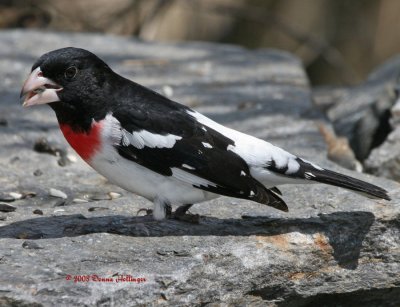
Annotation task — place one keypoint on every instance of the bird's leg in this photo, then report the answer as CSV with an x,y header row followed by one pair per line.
x,y
180,214
181,210
168,210
162,210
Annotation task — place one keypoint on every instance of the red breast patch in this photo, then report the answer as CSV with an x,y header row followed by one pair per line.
x,y
86,144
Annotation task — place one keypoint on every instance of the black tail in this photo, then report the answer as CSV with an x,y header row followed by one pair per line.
x,y
314,173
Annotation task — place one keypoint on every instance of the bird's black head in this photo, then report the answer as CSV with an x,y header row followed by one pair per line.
x,y
71,80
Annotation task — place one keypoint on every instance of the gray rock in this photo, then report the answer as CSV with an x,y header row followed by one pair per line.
x,y
384,160
7,197
4,207
31,245
333,247
38,172
91,209
37,211
361,113
57,193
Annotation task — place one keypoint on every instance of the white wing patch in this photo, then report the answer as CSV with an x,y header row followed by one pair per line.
x,y
112,130
313,165
206,145
190,178
143,138
188,166
309,175
293,166
256,152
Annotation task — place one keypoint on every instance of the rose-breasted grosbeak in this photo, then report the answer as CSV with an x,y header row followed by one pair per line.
x,y
158,148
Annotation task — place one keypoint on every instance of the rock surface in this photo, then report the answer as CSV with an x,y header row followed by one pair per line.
x,y
368,117
333,247
360,113
384,160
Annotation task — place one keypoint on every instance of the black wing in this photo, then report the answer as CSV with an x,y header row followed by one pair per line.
x,y
200,157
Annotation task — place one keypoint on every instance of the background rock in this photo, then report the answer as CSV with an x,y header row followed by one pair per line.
x,y
360,113
384,160
368,116
333,247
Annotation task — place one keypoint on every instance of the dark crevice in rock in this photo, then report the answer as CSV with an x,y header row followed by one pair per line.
x,y
363,114
370,132
271,293
283,297
383,130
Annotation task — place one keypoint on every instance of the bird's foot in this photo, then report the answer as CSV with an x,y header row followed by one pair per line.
x,y
181,214
160,211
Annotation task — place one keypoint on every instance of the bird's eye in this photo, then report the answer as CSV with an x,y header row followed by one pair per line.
x,y
70,73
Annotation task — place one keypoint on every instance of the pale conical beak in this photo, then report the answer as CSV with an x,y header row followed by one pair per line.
x,y
39,90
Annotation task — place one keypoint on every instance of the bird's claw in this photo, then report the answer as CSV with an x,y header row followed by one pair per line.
x,y
148,211
181,214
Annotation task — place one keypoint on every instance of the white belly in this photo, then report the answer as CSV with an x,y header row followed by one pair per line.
x,y
144,182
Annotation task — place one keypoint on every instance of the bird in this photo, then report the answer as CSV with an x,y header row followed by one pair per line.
x,y
160,149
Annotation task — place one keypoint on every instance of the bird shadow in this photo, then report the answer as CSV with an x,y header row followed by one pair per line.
x,y
345,230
